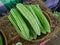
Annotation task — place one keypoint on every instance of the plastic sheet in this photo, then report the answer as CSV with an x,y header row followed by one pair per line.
x,y
51,3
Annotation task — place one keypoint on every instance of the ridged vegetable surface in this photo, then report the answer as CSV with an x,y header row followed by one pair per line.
x,y
39,23
42,18
28,15
20,23
29,21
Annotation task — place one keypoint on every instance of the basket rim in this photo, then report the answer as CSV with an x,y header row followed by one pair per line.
x,y
4,36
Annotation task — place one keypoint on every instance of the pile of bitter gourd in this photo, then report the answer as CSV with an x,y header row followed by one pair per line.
x,y
29,21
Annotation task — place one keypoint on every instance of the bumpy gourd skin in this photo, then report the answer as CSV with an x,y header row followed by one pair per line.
x,y
24,29
41,17
1,40
28,15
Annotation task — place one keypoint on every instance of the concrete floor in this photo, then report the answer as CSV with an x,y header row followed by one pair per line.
x,y
55,40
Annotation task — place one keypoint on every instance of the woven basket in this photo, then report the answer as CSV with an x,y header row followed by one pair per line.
x,y
11,33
